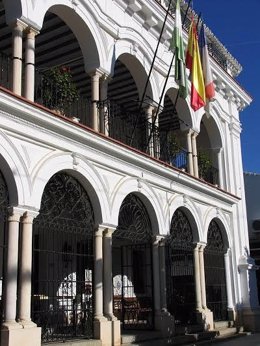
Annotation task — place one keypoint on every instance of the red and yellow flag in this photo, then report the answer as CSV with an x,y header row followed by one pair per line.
x,y
193,63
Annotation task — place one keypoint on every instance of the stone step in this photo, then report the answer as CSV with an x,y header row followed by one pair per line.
x,y
226,331
186,339
90,342
222,324
130,337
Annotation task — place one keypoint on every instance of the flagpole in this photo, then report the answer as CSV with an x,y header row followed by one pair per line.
x,y
165,83
150,72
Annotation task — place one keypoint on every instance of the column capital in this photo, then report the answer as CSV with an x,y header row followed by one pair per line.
x,y
15,213
104,78
194,134
228,252
31,32
108,232
19,25
157,239
96,73
202,247
29,216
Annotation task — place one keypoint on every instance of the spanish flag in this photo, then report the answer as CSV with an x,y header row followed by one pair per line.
x,y
193,63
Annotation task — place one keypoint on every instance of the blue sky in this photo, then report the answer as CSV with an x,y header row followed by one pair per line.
x,y
236,25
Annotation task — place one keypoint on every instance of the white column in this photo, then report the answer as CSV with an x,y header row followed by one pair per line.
x,y
156,275
189,156
149,120
202,277
24,303
104,110
17,57
220,167
108,275
228,280
11,270
95,76
197,277
163,275
195,154
29,76
98,275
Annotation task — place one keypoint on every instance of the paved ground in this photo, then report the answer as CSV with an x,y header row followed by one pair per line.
x,y
249,340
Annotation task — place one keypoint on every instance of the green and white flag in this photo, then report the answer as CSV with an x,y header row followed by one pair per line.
x,y
177,46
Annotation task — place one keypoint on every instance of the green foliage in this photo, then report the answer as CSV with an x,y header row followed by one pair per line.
x,y
204,163
173,145
59,90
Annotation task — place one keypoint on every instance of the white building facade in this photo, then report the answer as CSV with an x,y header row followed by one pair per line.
x,y
134,217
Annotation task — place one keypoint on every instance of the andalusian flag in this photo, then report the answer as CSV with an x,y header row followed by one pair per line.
x,y
208,80
198,97
178,46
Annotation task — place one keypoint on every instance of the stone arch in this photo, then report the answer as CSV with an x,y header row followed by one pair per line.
x,y
185,115
138,72
218,216
84,172
15,172
146,195
135,53
188,207
17,9
86,32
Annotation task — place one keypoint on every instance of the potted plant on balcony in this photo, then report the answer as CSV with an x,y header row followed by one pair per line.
x,y
59,90
205,164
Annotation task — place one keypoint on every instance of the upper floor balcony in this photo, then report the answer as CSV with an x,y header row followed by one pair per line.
x,y
49,68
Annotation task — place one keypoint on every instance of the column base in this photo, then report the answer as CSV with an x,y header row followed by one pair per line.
x,y
205,318
27,324
251,319
103,331
20,336
164,322
232,315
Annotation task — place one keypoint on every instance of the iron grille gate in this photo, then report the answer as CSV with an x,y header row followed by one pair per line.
x,y
4,200
137,287
180,281
63,262
133,270
180,285
216,292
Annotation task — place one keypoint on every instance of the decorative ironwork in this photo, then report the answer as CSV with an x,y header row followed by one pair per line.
x,y
4,201
132,272
180,232
80,107
215,273
63,261
133,223
133,289
180,270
